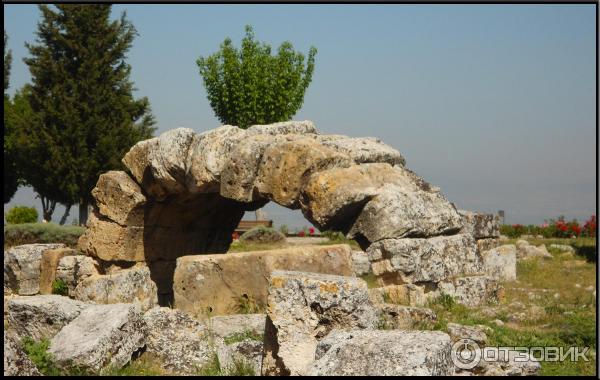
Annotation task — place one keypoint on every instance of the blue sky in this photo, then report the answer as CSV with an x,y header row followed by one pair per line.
x,y
495,104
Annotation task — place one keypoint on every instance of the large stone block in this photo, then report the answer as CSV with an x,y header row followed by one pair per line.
x,y
181,343
472,290
120,198
216,284
305,307
363,150
480,225
133,285
406,207
22,267
402,317
399,261
404,294
42,317
101,336
383,353
284,167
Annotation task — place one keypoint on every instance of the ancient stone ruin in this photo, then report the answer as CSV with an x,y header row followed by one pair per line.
x,y
186,192
158,234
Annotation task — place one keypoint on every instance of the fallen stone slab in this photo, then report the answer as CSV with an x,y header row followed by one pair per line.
x,y
404,317
501,263
22,267
486,244
412,260
360,263
16,362
563,247
527,251
480,225
101,336
43,316
363,150
507,363
133,285
226,283
248,352
383,353
303,308
182,343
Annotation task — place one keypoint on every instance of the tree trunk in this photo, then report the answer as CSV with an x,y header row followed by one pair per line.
x,y
83,212
65,215
48,206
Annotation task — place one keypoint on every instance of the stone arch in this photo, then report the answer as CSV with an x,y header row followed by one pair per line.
x,y
184,193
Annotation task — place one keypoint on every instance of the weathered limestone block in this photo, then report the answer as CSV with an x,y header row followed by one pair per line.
x,y
101,336
120,198
74,269
159,164
208,155
563,247
182,343
405,294
412,209
383,353
48,266
333,198
283,128
420,260
475,333
215,284
284,167
404,317
109,241
228,325
472,290
303,308
22,267
360,263
480,225
501,263
16,362
363,150
42,316
132,285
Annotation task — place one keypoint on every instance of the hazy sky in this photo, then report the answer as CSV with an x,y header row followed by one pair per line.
x,y
495,104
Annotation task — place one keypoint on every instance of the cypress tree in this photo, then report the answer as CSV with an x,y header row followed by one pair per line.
x,y
81,94
11,178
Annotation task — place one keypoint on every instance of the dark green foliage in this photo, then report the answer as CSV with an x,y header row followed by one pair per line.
x,y
83,114
11,177
38,353
262,234
29,233
250,86
21,214
60,288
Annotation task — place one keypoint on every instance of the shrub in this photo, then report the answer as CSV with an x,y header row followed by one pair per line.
x,y
262,234
29,233
38,353
248,305
21,214
284,229
60,287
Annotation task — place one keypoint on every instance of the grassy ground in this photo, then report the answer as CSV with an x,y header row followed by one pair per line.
x,y
550,304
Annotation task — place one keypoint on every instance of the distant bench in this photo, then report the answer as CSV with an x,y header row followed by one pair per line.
x,y
246,225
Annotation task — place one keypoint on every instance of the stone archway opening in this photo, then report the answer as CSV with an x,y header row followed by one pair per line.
x,y
184,194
